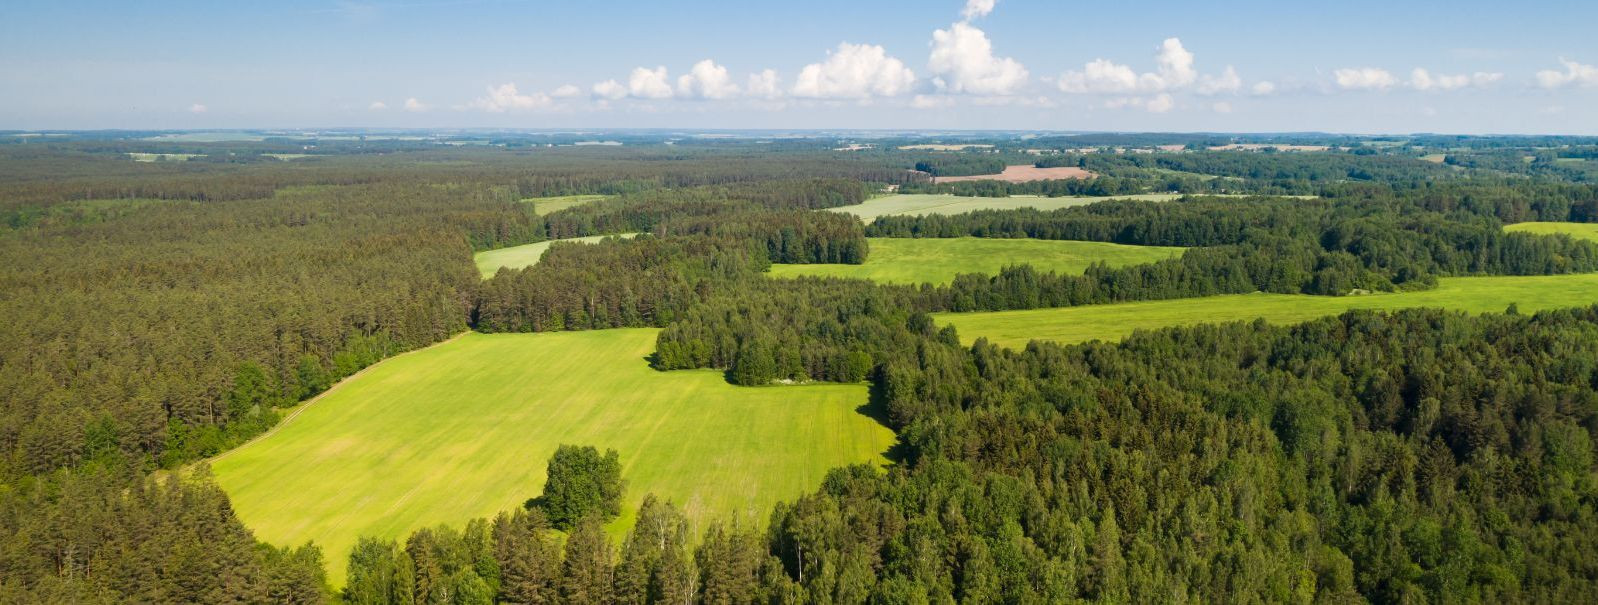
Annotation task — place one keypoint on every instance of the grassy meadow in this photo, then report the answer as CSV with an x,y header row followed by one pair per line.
x,y
938,260
1586,231
546,205
463,429
925,203
489,262
1114,321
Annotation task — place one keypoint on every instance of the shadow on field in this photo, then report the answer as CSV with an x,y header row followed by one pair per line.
x,y
876,408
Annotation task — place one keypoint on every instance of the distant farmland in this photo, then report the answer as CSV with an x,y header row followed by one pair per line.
x,y
463,429
1022,173
546,205
490,262
1587,231
919,203
938,260
1115,321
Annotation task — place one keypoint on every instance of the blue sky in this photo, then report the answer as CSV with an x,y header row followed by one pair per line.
x,y
1347,66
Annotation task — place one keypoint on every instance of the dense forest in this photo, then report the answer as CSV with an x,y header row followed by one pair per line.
x,y
160,313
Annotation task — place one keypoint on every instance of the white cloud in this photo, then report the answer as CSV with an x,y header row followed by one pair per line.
x,y
507,98
1159,103
1420,79
1364,78
1574,74
377,106
1226,83
1174,70
1222,107
412,104
764,85
198,108
1263,88
706,80
566,92
649,83
854,71
962,59
930,101
609,89
977,8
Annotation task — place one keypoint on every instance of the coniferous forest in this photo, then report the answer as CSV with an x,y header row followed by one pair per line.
x,y
160,314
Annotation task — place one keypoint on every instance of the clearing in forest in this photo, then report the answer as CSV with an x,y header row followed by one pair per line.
x,y
463,429
546,205
1022,173
489,262
1115,321
938,260
1587,231
917,204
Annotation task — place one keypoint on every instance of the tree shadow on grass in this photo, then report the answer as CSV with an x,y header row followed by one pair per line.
x,y
876,408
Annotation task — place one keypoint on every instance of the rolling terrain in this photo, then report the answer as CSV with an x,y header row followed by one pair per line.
x,y
463,429
938,260
1114,321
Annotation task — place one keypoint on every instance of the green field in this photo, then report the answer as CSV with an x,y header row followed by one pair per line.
x,y
938,260
1587,231
546,205
917,204
463,429
1111,322
163,157
516,257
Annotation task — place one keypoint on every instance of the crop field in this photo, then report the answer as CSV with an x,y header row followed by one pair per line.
x,y
1114,321
925,203
489,262
163,157
1587,231
463,429
546,205
938,260
1022,173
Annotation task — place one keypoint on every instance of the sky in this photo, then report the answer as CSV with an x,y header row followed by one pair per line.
x,y
1354,66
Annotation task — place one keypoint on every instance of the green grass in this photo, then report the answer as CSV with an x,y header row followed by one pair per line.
x,y
516,257
1586,231
463,429
929,260
917,204
1114,321
546,205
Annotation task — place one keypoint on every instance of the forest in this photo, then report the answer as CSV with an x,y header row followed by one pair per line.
x,y
162,313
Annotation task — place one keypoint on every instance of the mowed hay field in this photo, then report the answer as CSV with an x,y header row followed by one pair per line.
x,y
1586,231
546,205
489,262
917,204
1114,321
1022,173
938,260
463,429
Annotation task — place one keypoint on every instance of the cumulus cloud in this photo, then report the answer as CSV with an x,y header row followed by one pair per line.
x,y
930,101
566,92
977,8
1364,78
764,85
649,83
1174,70
1575,74
505,97
1159,103
1263,88
198,108
1420,79
609,89
854,71
962,61
377,106
1226,83
706,80
412,104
